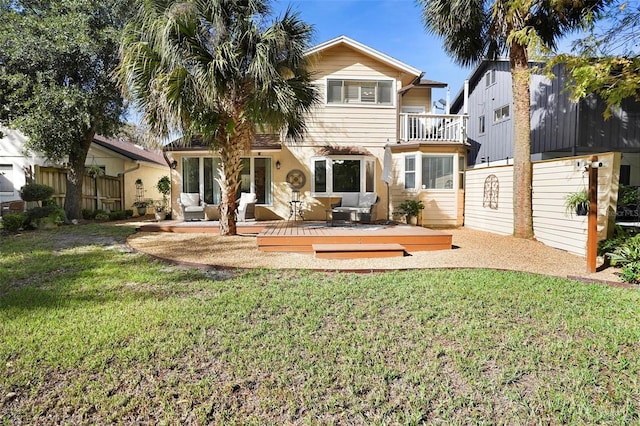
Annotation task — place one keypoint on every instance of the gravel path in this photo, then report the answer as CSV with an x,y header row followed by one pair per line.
x,y
473,249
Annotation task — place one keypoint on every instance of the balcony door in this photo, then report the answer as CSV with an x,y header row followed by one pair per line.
x,y
416,126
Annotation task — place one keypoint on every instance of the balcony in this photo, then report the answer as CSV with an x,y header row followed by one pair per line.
x,y
433,128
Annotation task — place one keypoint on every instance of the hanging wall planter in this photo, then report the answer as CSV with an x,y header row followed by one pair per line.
x,y
577,202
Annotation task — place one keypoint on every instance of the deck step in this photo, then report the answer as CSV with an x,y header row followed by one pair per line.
x,y
354,251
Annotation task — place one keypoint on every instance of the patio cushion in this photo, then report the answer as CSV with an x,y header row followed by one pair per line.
x,y
350,200
190,199
193,209
366,200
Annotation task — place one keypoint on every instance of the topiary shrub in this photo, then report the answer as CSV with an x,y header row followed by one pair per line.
x,y
13,222
36,192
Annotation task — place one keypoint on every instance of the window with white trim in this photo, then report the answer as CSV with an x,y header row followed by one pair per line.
x,y
6,178
367,92
437,171
481,124
410,172
490,78
500,114
343,174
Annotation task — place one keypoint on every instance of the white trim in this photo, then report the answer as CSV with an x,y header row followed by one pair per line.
x,y
329,174
365,50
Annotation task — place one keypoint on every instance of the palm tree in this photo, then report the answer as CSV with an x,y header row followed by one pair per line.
x,y
212,69
477,29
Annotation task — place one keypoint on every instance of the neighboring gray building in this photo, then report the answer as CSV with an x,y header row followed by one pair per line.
x,y
559,127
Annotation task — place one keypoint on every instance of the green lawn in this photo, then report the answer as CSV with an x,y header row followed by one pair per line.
x,y
94,334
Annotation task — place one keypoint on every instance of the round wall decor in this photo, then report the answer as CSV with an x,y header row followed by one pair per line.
x,y
296,178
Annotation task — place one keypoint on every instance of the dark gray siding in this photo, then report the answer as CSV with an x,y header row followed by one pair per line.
x,y
553,114
496,142
558,125
621,132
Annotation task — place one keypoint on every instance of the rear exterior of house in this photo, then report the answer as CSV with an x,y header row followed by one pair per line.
x,y
368,100
559,127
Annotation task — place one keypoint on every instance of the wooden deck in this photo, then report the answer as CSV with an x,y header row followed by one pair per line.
x,y
337,242
301,236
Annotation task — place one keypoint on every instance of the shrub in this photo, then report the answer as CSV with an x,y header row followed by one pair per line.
x,y
88,214
620,235
102,216
36,192
627,256
12,222
128,213
117,215
38,216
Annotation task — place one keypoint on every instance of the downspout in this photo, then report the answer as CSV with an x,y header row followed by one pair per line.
x,y
133,169
465,105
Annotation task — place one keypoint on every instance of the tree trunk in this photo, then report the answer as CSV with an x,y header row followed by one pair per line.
x,y
230,167
522,169
75,174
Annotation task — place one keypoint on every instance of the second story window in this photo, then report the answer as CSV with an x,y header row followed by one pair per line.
x,y
501,113
490,78
481,126
366,92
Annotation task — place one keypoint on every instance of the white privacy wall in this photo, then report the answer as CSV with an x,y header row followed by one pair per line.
x,y
552,181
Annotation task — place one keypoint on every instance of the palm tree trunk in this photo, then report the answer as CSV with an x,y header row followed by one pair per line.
x,y
230,167
522,169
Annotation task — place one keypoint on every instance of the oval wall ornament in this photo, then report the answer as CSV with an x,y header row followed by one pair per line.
x,y
296,178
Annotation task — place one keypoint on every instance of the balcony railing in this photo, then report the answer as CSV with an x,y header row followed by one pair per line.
x,y
433,127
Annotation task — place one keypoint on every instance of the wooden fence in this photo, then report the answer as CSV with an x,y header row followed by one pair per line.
x,y
102,192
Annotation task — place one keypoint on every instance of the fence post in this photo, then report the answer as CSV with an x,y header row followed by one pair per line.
x,y
592,224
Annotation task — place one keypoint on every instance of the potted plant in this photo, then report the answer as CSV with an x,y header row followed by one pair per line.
x,y
577,202
164,187
412,209
142,205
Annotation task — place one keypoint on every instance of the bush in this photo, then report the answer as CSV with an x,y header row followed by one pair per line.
x,y
117,215
88,214
128,213
36,192
627,256
102,216
40,216
12,222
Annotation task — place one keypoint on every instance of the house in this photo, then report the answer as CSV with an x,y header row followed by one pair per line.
x,y
370,100
122,163
559,127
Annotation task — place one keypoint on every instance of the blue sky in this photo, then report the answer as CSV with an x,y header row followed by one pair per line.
x,y
393,27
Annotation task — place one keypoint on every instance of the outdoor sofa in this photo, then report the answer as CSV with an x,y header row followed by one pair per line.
x,y
355,207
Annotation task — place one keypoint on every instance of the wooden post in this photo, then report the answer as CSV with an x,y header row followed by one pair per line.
x,y
592,224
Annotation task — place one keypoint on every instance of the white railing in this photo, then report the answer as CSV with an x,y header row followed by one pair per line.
x,y
433,127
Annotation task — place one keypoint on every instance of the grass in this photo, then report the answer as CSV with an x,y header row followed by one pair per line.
x,y
94,334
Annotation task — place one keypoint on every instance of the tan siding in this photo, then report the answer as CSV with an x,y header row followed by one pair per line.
x,y
418,97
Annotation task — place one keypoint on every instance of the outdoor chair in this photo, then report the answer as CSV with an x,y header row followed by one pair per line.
x,y
192,206
246,207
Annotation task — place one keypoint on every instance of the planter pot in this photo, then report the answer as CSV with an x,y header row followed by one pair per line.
x,y
160,215
582,209
412,220
142,211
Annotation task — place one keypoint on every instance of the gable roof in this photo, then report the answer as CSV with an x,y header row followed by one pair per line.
x,y
475,77
366,50
129,150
